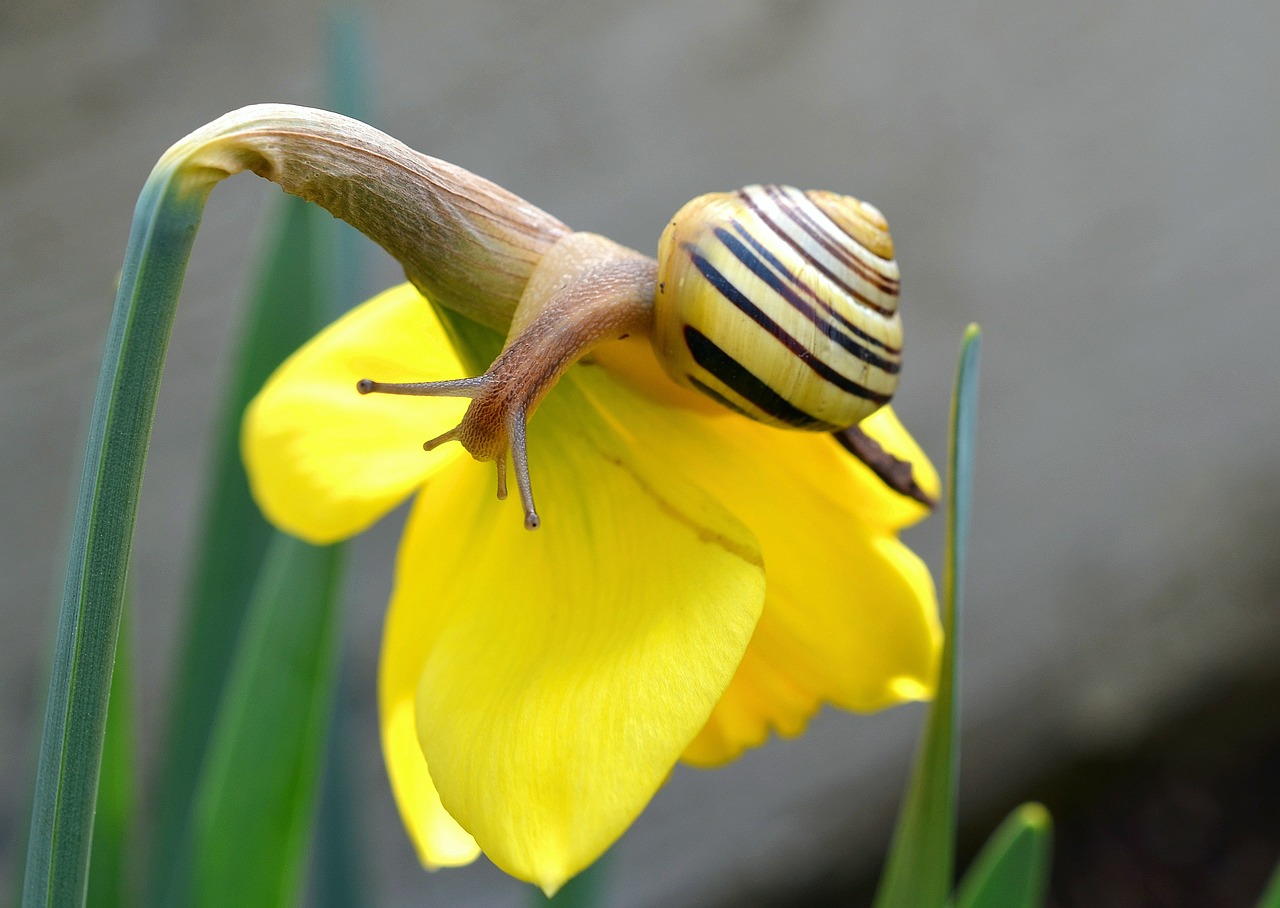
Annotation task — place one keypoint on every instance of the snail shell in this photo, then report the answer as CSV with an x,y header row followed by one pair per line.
x,y
781,305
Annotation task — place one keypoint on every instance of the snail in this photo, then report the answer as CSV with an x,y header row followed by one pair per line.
x,y
778,304
774,303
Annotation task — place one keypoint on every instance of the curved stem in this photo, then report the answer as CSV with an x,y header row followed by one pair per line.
x,y
468,243
164,227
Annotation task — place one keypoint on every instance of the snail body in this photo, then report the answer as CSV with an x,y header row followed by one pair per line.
x,y
777,304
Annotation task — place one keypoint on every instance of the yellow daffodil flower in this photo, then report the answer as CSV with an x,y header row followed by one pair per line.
x,y
699,581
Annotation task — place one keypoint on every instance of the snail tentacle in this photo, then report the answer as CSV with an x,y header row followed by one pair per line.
x,y
586,290
516,425
453,387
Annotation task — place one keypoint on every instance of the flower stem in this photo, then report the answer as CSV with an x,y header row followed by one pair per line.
x,y
164,227
446,226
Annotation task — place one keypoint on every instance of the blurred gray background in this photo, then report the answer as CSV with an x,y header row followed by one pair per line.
x,y
1097,183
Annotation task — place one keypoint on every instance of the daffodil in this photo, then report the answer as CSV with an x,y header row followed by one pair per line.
x,y
699,581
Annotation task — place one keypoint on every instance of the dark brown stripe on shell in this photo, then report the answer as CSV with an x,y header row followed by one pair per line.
x,y
829,330
745,383
763,251
823,370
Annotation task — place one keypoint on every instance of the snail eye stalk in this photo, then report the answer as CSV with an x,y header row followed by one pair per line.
x,y
586,290
485,437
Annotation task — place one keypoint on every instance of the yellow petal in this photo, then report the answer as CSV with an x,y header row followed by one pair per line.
x,y
324,461
562,672
849,620
700,435
815,465
440,841
851,614
438,838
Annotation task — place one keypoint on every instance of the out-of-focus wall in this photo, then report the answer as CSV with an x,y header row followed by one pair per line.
x,y
1096,183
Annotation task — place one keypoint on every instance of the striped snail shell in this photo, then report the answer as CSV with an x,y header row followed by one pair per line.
x,y
781,305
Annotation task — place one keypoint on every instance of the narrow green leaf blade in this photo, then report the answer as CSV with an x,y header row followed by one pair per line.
x,y
288,304
1271,898
338,879
164,228
921,862
1012,870
257,793
110,882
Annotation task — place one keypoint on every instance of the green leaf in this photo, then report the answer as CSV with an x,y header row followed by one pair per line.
x,y
1271,898
165,222
164,227
921,862
288,304
1012,870
337,873
258,791
110,881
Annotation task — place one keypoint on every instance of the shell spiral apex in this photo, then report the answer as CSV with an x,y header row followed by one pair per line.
x,y
781,304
